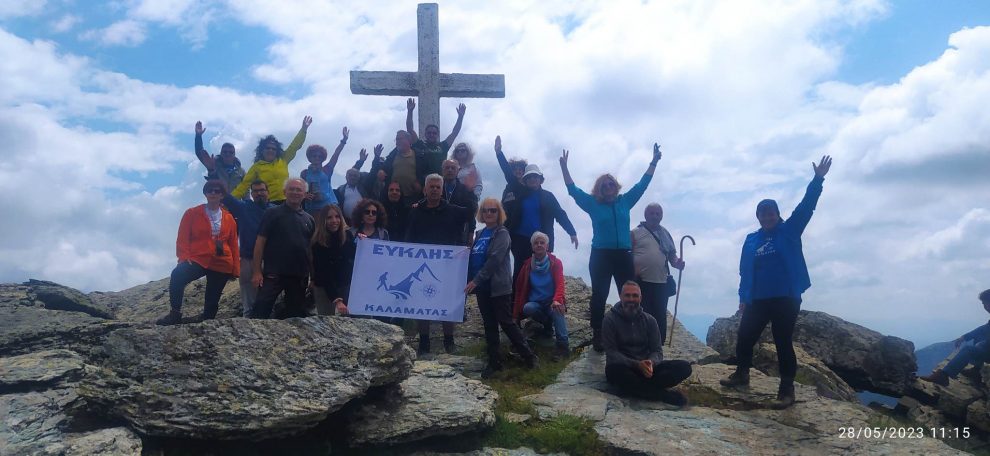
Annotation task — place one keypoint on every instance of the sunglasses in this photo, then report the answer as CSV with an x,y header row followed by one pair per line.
x,y
214,191
490,210
226,152
370,212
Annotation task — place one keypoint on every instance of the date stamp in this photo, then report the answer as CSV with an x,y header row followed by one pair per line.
x,y
917,432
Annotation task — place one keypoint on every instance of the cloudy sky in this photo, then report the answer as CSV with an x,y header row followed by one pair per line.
x,y
99,101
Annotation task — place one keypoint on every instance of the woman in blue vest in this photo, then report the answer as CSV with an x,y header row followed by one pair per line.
x,y
772,276
611,256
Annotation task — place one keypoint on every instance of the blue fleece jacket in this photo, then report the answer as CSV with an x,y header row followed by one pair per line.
x,y
788,245
610,221
248,215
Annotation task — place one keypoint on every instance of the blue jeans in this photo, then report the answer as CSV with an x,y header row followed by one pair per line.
x,y
186,272
542,313
976,354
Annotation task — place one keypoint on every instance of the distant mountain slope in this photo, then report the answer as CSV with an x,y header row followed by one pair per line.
x,y
930,356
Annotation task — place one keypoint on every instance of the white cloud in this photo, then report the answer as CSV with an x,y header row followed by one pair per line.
x,y
741,94
65,23
20,8
127,33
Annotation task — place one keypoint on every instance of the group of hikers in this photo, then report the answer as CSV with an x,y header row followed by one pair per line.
x,y
282,235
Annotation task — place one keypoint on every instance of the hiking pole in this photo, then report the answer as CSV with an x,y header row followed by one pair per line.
x,y
680,272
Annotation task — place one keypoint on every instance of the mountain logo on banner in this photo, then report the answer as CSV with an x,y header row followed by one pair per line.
x,y
403,289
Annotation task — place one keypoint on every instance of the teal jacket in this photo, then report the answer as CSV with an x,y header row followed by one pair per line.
x,y
610,221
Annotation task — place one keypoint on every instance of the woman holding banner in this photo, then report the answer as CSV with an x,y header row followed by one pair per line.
x,y
333,261
491,282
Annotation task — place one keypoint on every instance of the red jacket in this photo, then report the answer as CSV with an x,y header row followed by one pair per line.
x,y
195,241
522,284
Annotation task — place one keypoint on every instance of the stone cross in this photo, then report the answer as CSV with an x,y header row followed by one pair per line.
x,y
429,84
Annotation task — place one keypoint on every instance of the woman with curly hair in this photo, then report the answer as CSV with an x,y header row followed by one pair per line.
x,y
610,245
333,251
468,174
271,164
369,219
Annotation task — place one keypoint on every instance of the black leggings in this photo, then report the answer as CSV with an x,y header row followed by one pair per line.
x,y
631,381
606,264
654,301
521,249
782,312
497,311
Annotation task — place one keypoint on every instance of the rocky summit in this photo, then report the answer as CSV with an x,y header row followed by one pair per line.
x,y
89,374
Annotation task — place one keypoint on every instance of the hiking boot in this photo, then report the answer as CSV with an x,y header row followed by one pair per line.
x,y
785,394
490,369
532,361
738,378
424,345
448,344
546,330
672,397
173,317
937,377
560,352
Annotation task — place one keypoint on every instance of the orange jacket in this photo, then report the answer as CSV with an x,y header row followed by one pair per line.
x,y
195,241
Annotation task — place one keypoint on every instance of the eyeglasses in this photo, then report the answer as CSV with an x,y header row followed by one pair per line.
x,y
490,210
214,191
370,212
226,152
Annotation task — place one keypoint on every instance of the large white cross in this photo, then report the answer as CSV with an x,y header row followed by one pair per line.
x,y
429,84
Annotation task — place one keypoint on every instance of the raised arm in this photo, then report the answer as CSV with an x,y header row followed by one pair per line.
x,y
204,157
563,167
328,168
502,162
362,156
457,125
410,107
799,219
298,141
241,190
636,192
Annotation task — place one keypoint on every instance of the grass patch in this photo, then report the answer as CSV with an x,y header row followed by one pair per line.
x,y
561,434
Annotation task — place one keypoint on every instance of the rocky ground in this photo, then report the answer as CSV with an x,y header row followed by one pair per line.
x,y
89,374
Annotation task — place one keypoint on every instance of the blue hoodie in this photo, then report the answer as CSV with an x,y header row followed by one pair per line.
x,y
788,243
610,221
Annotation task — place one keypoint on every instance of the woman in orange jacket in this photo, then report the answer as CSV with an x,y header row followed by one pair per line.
x,y
206,245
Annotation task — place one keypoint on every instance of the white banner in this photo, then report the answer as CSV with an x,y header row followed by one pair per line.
x,y
400,279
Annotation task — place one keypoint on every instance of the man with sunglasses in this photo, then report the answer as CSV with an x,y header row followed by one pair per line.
x,y
206,245
224,167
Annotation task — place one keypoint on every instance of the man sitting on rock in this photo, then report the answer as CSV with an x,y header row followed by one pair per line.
x,y
977,354
633,355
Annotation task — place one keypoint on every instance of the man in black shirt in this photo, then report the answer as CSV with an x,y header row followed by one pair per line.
x,y
282,254
454,192
434,221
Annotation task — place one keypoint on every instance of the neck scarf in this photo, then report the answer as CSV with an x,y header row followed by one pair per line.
x,y
541,266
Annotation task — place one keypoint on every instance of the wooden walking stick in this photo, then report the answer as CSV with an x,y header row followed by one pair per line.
x,y
680,284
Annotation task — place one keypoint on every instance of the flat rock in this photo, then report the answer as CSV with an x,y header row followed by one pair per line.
x,y
467,366
703,389
810,371
954,399
26,329
521,451
978,415
862,357
39,369
146,303
52,296
243,379
433,401
38,423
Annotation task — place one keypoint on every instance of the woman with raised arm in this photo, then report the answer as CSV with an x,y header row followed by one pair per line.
x,y
772,276
611,257
225,167
271,164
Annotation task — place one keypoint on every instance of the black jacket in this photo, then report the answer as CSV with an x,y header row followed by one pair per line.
x,y
443,225
550,208
333,265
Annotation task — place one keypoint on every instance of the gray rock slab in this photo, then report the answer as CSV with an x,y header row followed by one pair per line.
x,y
104,442
26,329
243,379
864,358
433,401
40,369
147,302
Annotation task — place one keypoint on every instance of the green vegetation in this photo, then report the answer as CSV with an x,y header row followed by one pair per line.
x,y
561,434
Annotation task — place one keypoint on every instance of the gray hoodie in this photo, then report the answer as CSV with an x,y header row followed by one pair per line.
x,y
496,271
630,339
